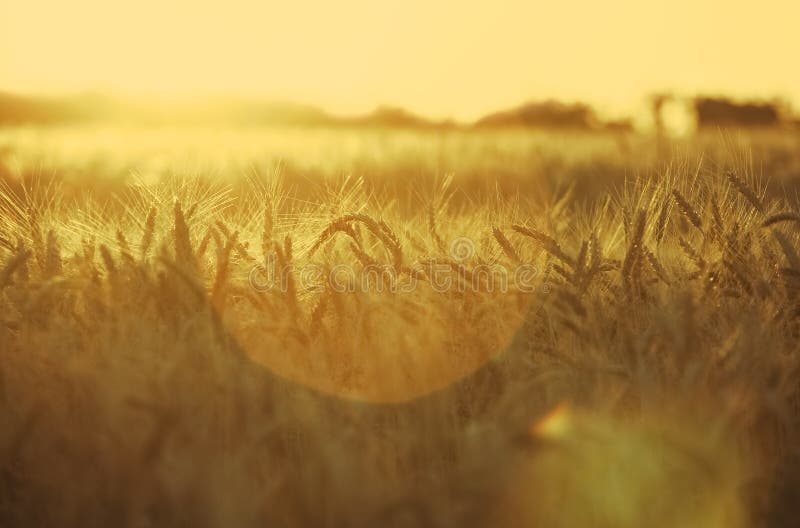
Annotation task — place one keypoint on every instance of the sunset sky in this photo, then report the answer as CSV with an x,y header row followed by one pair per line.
x,y
456,59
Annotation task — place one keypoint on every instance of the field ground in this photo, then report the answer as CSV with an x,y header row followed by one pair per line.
x,y
321,328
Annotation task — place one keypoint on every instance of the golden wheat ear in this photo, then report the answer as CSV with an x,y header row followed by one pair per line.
x,y
781,217
746,191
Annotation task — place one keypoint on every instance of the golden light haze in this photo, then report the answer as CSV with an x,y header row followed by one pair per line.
x,y
458,59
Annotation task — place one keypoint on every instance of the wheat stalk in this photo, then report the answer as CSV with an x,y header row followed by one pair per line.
x,y
223,264
626,220
631,263
379,229
717,215
595,252
88,247
692,253
505,245
788,249
184,254
108,260
432,229
655,264
22,268
149,232
122,243
204,242
287,248
125,249
240,248
285,274
745,190
781,217
339,225
661,221
581,266
548,243
362,256
36,237
52,262
738,273
686,208
192,210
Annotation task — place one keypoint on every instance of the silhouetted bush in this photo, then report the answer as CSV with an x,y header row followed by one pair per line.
x,y
722,112
548,114
394,117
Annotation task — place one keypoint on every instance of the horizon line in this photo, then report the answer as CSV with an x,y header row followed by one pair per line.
x,y
158,106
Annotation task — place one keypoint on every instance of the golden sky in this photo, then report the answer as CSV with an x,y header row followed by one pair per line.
x,y
451,58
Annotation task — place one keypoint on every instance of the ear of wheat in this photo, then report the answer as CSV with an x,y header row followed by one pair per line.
x,y
631,265
692,253
549,244
223,265
339,225
505,245
379,229
432,228
781,217
203,246
52,261
745,190
285,275
240,248
184,254
108,260
688,211
788,249
149,232
661,222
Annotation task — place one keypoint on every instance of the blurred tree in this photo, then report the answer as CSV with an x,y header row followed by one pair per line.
x,y
723,112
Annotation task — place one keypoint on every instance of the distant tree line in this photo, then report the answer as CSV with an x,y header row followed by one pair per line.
x,y
708,112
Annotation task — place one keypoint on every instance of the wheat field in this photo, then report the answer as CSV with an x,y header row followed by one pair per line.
x,y
395,328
